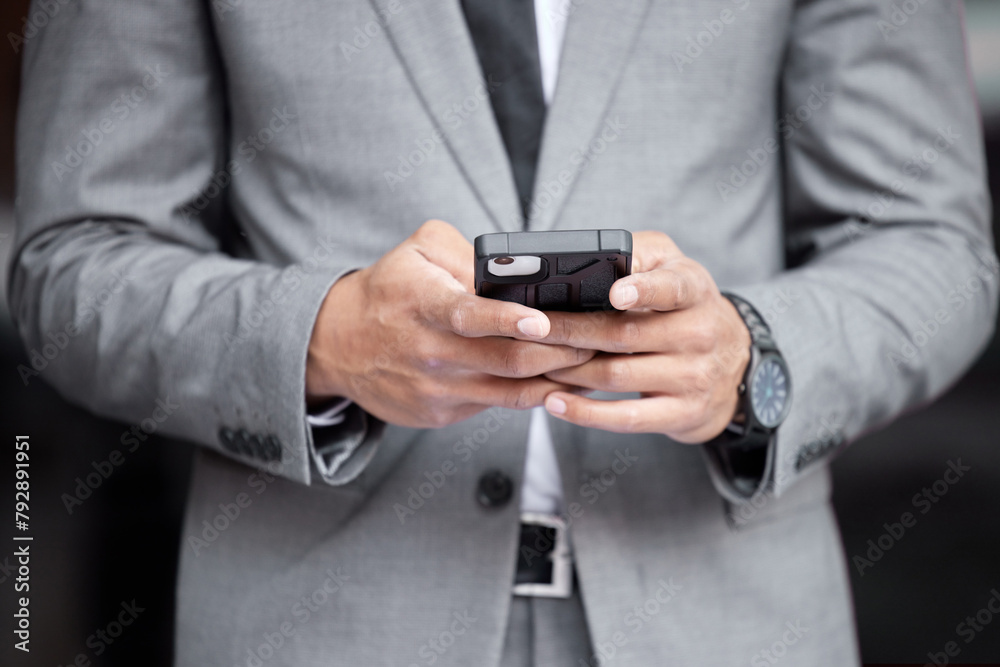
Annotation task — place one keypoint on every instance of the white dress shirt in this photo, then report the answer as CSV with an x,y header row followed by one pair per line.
x,y
542,488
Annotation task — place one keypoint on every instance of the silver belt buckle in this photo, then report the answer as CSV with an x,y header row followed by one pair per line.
x,y
561,556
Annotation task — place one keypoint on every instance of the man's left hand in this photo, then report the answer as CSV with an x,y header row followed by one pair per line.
x,y
679,343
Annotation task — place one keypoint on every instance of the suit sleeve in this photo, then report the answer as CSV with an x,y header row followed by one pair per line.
x,y
123,294
891,290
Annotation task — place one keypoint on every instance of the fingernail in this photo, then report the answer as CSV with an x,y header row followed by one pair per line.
x,y
556,406
530,326
627,295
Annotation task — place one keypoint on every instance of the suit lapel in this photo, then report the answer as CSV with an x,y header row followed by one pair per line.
x,y
433,42
599,38
434,45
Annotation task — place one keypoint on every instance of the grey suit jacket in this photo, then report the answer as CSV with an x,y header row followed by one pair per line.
x,y
821,158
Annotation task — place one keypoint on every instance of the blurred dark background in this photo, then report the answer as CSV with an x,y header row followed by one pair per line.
x,y
121,543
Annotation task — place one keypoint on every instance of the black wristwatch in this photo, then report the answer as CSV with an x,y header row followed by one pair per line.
x,y
765,398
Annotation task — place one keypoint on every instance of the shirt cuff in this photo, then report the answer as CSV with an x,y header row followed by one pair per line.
x,y
342,439
332,415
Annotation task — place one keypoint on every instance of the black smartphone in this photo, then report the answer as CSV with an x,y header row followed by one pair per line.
x,y
559,270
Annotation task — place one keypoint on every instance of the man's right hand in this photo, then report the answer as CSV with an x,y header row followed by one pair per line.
x,y
409,341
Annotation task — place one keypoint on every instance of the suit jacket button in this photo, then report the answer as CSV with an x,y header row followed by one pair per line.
x,y
228,439
495,489
245,447
257,445
272,448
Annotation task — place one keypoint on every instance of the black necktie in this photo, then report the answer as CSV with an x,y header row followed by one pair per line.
x,y
503,32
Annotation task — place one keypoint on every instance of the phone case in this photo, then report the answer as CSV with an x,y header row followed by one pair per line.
x,y
576,270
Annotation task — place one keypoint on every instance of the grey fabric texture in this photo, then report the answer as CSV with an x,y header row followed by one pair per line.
x,y
548,632
827,171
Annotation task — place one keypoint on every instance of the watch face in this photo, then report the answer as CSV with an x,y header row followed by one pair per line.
x,y
769,392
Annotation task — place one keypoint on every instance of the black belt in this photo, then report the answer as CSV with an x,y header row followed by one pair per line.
x,y
544,562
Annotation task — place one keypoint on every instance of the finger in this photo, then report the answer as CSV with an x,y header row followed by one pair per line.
x,y
608,332
656,414
681,332
514,394
625,373
443,245
474,317
508,358
651,250
677,285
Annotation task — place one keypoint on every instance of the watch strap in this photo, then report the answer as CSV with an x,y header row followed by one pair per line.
x,y
760,333
745,441
742,460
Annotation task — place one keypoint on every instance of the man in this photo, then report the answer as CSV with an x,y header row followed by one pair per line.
x,y
368,451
